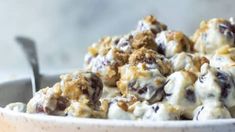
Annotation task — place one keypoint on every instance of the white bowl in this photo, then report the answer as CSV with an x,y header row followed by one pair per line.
x,y
19,90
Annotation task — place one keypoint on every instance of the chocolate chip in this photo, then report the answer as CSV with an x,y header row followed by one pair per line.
x,y
149,60
116,41
89,60
85,92
159,93
154,31
229,34
224,83
131,85
183,117
97,86
39,108
198,113
142,90
155,108
124,44
105,62
202,78
155,92
168,94
141,26
226,26
227,29
98,65
101,63
222,28
190,95
183,45
131,37
161,48
221,76
62,103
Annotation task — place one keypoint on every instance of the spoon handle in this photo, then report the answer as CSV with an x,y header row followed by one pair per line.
x,y
29,49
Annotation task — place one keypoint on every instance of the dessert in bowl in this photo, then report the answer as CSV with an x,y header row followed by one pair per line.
x,y
151,75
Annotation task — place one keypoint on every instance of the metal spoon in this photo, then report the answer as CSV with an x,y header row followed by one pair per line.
x,y
29,48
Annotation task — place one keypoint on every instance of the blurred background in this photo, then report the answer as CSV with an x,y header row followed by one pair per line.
x,y
63,29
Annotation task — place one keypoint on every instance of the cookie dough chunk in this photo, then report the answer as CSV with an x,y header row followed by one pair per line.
x,y
170,43
187,61
48,101
103,58
213,34
152,24
215,85
180,92
143,83
144,75
161,112
214,110
80,86
150,59
122,108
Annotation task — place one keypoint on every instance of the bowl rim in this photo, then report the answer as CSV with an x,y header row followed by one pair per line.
x,y
116,123
108,122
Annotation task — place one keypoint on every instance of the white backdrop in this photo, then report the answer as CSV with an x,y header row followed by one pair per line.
x,y
64,28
